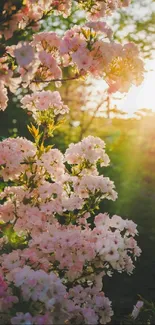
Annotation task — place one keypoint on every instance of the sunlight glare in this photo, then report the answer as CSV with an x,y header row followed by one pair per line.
x,y
139,97
142,96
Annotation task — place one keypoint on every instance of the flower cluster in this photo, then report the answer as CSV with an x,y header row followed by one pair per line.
x,y
98,9
118,65
55,248
18,15
14,152
6,298
86,50
88,150
44,103
64,247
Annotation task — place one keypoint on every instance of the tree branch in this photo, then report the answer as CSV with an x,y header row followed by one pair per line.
x,y
77,76
83,130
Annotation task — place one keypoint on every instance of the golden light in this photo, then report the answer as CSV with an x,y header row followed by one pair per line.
x,y
137,97
142,96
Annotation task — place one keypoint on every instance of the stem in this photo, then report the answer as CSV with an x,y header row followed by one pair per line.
x,y
44,135
77,76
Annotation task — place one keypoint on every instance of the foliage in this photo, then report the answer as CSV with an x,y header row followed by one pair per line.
x,y
136,24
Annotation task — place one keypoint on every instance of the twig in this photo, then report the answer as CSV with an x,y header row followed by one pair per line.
x,y
77,76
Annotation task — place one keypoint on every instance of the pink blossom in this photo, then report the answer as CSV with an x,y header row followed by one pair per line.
x,y
102,220
137,309
82,58
3,96
46,40
24,54
21,318
7,211
117,222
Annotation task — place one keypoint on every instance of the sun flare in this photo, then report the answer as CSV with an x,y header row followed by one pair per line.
x,y
138,97
142,96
